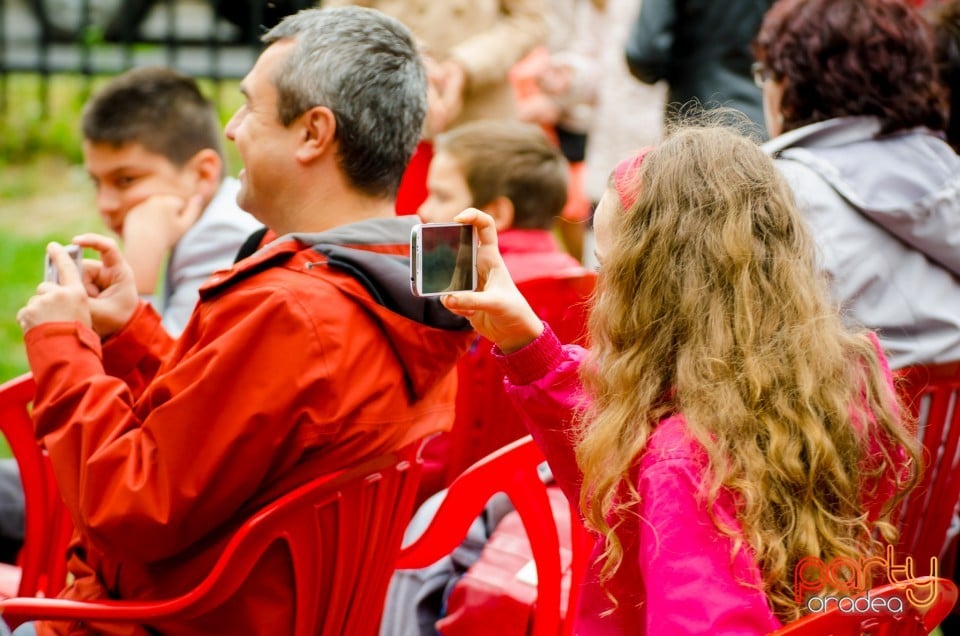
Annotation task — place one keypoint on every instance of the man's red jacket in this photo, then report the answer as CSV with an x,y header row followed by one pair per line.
x,y
288,368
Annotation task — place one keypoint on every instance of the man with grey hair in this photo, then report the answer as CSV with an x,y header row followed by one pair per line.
x,y
308,356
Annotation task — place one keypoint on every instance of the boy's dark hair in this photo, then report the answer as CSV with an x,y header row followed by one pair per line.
x,y
513,160
157,107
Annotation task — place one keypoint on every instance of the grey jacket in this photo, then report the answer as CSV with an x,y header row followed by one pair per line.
x,y
209,245
885,212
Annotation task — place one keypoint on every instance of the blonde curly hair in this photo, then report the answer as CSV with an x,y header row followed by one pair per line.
x,y
710,305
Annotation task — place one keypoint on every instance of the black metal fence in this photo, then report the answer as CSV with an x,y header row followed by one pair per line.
x,y
214,39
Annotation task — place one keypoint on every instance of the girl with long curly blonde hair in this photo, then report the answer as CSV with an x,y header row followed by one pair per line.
x,y
725,424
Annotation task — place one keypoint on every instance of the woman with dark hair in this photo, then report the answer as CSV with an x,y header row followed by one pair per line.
x,y
856,117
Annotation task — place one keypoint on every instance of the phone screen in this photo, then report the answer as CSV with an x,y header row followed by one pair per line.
x,y
445,255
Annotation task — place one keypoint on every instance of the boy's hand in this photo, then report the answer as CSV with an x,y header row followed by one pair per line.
x,y
53,302
162,218
150,231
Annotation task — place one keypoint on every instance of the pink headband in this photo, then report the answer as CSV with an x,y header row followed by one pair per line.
x,y
625,174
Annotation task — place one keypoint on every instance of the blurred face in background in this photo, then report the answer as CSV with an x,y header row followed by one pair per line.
x,y
447,190
125,176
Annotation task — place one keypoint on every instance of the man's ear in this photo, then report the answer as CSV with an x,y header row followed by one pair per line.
x,y
317,129
501,209
207,166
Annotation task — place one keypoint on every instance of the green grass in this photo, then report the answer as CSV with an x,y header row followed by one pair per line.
x,y
47,200
20,256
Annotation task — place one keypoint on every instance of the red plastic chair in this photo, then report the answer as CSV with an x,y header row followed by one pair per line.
x,y
512,470
911,621
486,417
42,569
932,393
342,533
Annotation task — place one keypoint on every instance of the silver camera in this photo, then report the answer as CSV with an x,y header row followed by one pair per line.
x,y
50,273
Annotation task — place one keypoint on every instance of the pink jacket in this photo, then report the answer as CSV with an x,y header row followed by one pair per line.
x,y
677,576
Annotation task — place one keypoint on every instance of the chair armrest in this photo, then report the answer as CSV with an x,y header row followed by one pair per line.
x,y
56,608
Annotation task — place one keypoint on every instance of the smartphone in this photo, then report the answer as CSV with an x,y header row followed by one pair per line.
x,y
50,273
443,258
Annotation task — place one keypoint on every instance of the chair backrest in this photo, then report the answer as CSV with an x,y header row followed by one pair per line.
x,y
48,528
931,392
511,470
486,417
894,615
342,533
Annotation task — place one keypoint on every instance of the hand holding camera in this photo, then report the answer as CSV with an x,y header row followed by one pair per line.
x,y
110,285
151,229
61,297
100,294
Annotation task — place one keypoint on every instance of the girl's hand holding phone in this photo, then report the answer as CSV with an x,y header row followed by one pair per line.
x,y
497,310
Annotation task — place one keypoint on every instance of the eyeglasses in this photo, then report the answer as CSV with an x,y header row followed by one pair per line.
x,y
760,73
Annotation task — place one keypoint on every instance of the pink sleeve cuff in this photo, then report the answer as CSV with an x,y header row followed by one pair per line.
x,y
532,362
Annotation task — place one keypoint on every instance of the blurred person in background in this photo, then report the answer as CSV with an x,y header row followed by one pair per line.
x,y
152,145
587,81
856,118
702,49
470,47
541,86
513,172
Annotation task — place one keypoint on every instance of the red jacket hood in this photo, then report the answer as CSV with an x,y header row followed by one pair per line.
x,y
374,259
